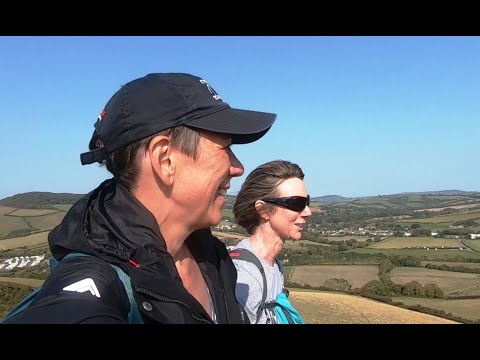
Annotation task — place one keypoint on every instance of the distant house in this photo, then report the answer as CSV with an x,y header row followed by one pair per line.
x,y
474,236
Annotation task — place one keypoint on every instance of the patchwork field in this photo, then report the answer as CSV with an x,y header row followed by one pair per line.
x,y
9,224
32,212
423,253
465,308
34,239
316,275
415,242
447,218
46,222
5,210
15,222
451,283
331,308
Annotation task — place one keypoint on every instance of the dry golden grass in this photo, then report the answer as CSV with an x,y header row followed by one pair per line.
x,y
29,282
316,275
331,308
6,209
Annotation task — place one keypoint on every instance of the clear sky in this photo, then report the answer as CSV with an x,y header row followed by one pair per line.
x,y
361,115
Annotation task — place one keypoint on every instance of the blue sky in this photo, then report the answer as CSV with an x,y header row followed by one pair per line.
x,y
361,115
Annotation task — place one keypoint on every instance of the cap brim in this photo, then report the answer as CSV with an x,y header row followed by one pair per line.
x,y
245,126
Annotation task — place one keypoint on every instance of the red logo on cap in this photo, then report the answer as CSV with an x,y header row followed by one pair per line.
x,y
102,114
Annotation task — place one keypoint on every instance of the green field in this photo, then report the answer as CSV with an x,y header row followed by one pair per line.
x,y
62,207
11,223
466,308
446,219
452,283
439,255
316,275
415,242
473,244
25,221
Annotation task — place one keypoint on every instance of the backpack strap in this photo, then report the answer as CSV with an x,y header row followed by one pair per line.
x,y
134,316
247,255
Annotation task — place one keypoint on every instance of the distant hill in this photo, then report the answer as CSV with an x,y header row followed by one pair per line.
x,y
442,192
39,200
338,199
332,199
46,200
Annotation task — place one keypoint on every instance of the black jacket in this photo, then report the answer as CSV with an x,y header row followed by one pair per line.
x,y
111,224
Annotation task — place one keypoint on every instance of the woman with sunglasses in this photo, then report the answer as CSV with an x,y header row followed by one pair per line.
x,y
272,206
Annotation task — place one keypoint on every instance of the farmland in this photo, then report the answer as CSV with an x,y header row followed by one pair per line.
x,y
452,283
332,308
416,242
465,308
29,240
338,231
316,275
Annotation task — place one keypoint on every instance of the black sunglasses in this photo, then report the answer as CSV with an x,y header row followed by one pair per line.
x,y
295,203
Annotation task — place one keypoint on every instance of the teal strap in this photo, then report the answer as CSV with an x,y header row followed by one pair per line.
x,y
134,316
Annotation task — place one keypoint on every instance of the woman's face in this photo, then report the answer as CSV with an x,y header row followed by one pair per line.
x,y
289,224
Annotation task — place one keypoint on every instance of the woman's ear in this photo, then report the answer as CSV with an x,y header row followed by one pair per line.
x,y
261,209
160,154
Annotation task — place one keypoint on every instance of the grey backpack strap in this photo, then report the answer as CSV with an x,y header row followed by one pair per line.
x,y
247,255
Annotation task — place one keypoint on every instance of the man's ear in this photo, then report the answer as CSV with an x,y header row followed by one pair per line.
x,y
159,151
261,209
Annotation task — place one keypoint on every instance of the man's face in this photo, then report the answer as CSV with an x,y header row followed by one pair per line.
x,y
201,185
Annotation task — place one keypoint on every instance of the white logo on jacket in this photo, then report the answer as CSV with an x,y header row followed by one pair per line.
x,y
82,286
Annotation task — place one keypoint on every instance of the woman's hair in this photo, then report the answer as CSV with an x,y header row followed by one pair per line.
x,y
262,183
123,163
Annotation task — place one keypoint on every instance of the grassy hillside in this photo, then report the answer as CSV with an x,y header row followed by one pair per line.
x,y
331,308
39,200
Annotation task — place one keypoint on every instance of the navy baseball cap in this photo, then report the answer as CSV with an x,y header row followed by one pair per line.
x,y
160,101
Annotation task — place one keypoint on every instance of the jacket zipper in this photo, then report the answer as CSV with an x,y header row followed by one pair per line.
x,y
224,297
164,299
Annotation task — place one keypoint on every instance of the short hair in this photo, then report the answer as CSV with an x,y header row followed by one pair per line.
x,y
123,163
262,183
